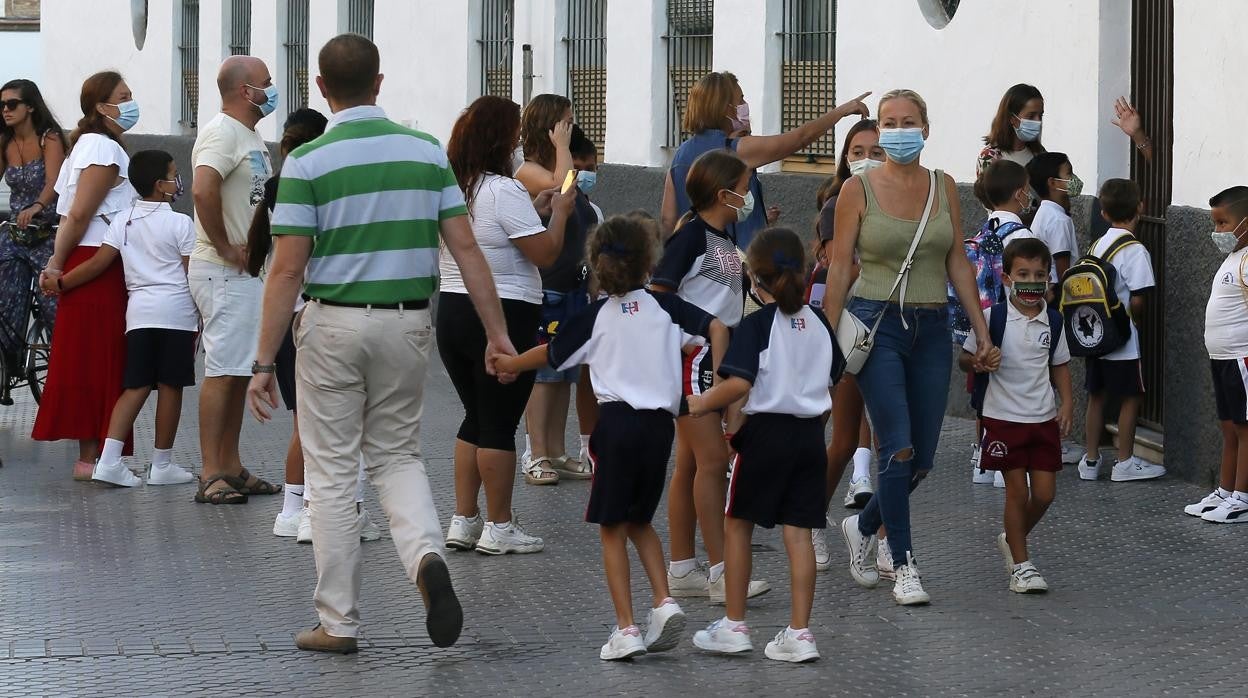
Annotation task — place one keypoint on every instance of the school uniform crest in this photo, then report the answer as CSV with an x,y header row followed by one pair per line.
x,y
798,323
630,308
998,449
1046,338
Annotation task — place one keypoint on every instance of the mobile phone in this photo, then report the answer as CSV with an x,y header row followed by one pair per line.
x,y
568,182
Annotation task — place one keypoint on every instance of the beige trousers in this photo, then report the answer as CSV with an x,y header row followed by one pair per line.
x,y
361,376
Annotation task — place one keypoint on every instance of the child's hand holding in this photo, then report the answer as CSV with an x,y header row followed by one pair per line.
x,y
1066,418
992,362
696,408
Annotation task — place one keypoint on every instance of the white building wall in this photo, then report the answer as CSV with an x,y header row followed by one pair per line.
x,y
747,45
21,56
636,82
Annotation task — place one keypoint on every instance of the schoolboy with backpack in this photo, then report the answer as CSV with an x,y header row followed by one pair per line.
x,y
1022,424
1100,294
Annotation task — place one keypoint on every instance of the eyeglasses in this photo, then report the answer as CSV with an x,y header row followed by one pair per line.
x,y
11,104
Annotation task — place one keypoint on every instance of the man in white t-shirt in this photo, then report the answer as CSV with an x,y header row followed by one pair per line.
x,y
231,164
1119,372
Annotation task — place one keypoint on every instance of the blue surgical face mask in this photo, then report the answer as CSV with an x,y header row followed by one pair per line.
x,y
746,208
586,180
269,105
902,145
128,114
1028,130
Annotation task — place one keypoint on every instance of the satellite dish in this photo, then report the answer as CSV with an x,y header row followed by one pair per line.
x,y
939,13
138,22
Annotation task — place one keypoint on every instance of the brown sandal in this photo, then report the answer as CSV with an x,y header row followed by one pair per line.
x,y
228,494
257,486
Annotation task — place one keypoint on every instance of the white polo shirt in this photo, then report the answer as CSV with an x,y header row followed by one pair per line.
x,y
152,239
1226,315
1054,226
1021,390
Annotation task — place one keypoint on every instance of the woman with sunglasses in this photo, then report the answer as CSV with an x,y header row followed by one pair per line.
x,y
32,148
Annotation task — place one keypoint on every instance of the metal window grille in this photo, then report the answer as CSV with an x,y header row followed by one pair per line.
x,y
1152,86
240,27
586,42
497,37
360,17
188,48
690,37
296,54
808,46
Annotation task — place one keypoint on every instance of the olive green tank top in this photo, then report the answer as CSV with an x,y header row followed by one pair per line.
x,y
883,241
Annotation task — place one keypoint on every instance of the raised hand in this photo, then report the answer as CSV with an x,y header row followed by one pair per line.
x,y
855,106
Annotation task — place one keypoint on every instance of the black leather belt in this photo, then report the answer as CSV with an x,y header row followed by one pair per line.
x,y
419,304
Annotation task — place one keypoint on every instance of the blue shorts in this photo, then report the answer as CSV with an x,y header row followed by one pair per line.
x,y
556,308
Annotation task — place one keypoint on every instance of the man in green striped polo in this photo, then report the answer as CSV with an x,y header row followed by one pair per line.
x,y
359,214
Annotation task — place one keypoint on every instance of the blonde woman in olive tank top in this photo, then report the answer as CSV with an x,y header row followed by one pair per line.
x,y
905,381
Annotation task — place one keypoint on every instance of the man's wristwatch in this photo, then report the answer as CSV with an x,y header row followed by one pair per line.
x,y
257,367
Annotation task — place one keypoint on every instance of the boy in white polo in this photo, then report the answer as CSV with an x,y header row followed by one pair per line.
x,y
1022,424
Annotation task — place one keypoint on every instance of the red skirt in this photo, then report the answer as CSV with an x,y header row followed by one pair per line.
x,y
88,358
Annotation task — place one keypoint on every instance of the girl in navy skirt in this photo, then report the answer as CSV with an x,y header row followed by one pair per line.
x,y
780,475
631,339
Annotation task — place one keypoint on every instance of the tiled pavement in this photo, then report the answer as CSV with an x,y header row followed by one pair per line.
x,y
117,593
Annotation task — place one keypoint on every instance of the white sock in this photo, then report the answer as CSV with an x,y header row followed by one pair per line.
x,y
528,450
292,499
1223,493
162,457
584,447
680,568
796,631
716,572
359,484
307,493
732,623
1241,496
862,463
111,455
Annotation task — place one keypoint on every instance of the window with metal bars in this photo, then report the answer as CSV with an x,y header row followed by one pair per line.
x,y
240,27
188,48
497,37
690,39
296,55
807,68
586,41
360,18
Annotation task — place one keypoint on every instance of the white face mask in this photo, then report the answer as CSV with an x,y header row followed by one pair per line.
x,y
863,166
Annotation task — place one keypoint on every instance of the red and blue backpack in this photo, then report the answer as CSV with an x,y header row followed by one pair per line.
x,y
985,250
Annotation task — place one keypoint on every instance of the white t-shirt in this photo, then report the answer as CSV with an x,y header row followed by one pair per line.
x,y
1054,226
778,354
1226,315
1021,390
501,211
1135,273
1023,233
152,239
1022,156
95,149
240,156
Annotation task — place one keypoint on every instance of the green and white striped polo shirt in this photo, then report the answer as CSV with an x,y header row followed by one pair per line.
x,y
372,194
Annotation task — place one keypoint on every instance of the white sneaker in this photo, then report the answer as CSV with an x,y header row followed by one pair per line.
x,y
665,626
792,646
369,531
861,553
979,477
500,539
908,589
305,526
1136,468
694,583
719,595
623,644
116,474
725,637
1070,454
1089,471
1232,510
859,492
819,540
464,532
1004,546
998,479
1024,579
1212,501
884,560
287,525
169,475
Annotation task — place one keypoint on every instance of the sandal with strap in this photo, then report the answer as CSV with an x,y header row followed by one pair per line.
x,y
539,472
256,486
570,467
226,495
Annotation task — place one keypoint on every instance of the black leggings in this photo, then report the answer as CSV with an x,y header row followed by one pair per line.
x,y
492,410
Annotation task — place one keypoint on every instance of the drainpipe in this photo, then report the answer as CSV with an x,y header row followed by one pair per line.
x,y
527,78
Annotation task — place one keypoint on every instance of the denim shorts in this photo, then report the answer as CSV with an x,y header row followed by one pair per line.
x,y
557,307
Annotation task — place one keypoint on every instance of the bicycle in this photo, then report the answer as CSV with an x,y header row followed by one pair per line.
x,y
26,362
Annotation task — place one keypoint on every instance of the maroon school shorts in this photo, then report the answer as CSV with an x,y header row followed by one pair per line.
x,y
1011,445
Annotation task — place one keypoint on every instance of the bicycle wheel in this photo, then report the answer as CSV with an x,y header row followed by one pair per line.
x,y
38,352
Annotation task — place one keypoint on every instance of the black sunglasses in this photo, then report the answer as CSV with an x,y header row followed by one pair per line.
x,y
11,104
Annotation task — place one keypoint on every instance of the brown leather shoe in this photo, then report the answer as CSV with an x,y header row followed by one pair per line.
x,y
444,617
317,640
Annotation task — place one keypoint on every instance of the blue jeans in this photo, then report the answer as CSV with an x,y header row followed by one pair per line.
x,y
905,385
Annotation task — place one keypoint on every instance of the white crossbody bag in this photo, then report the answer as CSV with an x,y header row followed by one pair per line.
x,y
852,334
